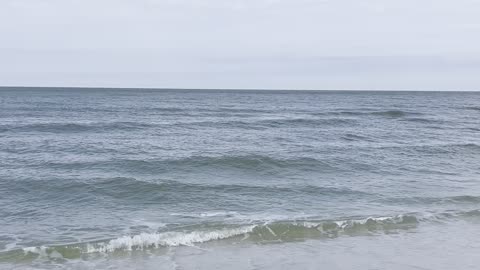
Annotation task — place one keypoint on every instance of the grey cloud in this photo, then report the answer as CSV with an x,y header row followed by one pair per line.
x,y
285,44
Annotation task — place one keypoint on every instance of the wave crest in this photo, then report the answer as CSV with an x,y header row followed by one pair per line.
x,y
282,231
270,232
145,240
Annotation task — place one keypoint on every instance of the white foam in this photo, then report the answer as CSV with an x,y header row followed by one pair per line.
x,y
310,225
218,214
207,214
146,240
42,251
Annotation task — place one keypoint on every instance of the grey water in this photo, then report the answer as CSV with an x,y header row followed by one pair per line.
x,y
236,179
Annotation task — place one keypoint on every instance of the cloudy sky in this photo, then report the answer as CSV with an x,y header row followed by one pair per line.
x,y
278,44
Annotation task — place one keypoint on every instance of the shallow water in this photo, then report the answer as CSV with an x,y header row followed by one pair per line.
x,y
192,179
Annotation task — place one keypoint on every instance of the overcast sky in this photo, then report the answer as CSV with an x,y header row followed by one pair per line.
x,y
278,44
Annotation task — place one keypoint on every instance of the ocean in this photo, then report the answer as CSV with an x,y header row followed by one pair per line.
x,y
232,179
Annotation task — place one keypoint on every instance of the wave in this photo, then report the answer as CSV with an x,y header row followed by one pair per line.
x,y
437,148
282,231
167,109
464,198
392,113
255,163
385,113
356,137
464,146
74,127
305,122
259,233
460,199
235,110
424,120
166,239
240,122
249,162
472,108
261,124
126,189
252,163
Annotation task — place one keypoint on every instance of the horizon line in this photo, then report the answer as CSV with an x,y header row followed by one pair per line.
x,y
227,89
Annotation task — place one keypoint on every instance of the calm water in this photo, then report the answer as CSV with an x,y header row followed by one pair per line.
x,y
144,179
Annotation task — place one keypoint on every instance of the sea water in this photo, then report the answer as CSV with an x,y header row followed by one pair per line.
x,y
232,179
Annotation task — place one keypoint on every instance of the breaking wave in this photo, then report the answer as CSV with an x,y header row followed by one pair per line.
x,y
257,233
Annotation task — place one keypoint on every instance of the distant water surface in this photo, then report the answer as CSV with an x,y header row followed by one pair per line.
x,y
198,179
